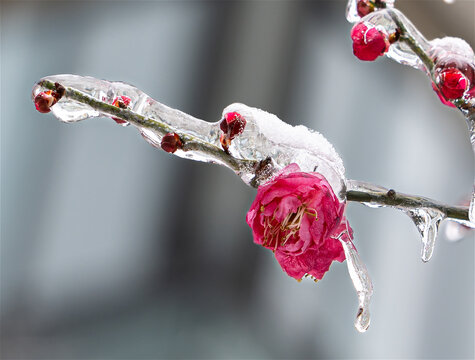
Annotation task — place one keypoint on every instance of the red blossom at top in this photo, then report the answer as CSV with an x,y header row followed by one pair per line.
x,y
454,69
452,83
368,42
299,217
121,102
232,125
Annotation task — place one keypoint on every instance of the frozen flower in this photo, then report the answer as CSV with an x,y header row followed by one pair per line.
x,y
452,83
368,42
454,69
299,217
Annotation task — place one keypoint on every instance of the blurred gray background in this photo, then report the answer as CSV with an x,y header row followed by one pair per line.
x,y
111,249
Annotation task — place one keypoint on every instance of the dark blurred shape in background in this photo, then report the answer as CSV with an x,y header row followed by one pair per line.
x,y
113,249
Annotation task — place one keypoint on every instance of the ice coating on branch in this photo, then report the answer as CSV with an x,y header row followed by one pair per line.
x,y
352,14
361,281
427,219
449,46
399,51
265,137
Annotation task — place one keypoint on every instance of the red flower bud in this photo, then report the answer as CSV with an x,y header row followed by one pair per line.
x,y
368,42
233,124
44,100
171,142
121,102
452,83
364,7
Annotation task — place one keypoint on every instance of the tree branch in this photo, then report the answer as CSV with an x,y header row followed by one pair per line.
x,y
375,195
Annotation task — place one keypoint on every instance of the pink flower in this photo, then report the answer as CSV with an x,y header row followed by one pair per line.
x,y
299,217
368,42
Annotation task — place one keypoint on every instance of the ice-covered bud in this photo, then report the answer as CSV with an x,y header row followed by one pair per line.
x,y
369,42
364,7
171,142
452,83
121,102
454,69
232,125
44,100
441,98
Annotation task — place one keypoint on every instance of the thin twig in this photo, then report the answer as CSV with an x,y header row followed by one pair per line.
x,y
395,199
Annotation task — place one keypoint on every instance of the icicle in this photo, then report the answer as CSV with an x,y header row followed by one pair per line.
x,y
361,281
427,222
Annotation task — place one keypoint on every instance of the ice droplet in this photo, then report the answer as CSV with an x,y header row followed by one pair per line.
x,y
427,222
361,281
265,135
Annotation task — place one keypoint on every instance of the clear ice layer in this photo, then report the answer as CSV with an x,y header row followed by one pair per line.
x,y
264,136
399,51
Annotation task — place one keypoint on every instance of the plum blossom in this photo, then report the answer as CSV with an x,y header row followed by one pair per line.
x,y
298,216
